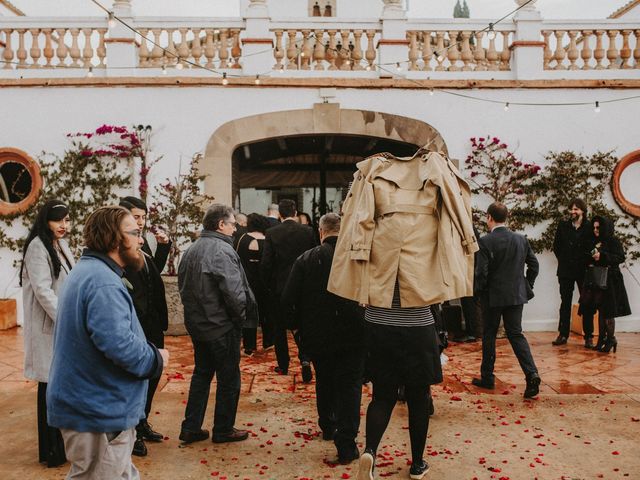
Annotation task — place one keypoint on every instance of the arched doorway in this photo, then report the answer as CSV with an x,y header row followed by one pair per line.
x,y
324,120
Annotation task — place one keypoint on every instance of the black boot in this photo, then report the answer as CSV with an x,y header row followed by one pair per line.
x,y
139,448
147,433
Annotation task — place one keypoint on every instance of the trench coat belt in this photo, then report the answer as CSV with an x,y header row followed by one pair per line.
x,y
405,208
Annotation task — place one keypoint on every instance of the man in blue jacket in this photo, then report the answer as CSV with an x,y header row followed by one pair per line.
x,y
101,359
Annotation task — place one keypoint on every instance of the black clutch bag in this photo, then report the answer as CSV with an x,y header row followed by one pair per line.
x,y
596,277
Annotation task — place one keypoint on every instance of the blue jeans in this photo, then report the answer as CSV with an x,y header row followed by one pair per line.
x,y
222,357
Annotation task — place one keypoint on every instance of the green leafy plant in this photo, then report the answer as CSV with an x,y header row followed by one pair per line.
x,y
177,208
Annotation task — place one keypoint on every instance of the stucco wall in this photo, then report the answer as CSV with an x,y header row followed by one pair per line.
x,y
184,120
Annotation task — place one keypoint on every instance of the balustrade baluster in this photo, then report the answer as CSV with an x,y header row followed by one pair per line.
x,y
636,52
612,52
48,47
62,51
427,51
560,52
356,54
548,53
370,54
625,51
22,51
306,52
585,53
572,53
278,53
345,52
452,52
413,50
598,53
35,51
223,53
87,51
196,47
479,54
7,54
236,48
171,54
466,55
102,49
143,52
492,54
440,51
505,55
156,52
332,52
209,49
183,48
318,50
292,51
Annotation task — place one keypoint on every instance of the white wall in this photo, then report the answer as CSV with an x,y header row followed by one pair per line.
x,y
184,119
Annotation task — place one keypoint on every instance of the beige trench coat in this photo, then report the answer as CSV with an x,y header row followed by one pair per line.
x,y
408,218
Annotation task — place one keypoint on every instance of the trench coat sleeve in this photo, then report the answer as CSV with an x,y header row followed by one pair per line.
x,y
532,265
36,262
453,190
362,221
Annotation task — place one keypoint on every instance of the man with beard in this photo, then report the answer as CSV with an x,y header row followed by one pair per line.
x,y
571,246
147,291
101,359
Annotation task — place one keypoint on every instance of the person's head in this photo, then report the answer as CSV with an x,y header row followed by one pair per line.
x,y
220,218
257,223
50,225
272,210
329,225
241,218
602,227
114,232
138,209
304,218
287,208
497,214
577,209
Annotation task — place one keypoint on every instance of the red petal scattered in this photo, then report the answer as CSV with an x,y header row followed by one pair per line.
x,y
345,475
615,452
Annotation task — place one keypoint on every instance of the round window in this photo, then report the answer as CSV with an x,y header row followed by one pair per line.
x,y
20,181
626,178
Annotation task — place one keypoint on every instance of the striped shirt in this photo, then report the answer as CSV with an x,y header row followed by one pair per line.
x,y
396,316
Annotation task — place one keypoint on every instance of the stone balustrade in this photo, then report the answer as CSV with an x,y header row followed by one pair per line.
x,y
27,43
186,42
308,45
456,48
601,45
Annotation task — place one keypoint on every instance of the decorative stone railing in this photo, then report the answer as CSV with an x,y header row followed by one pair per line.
x,y
451,47
313,45
600,45
186,42
30,43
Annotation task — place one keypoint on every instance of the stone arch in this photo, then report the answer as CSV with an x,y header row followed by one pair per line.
x,y
323,118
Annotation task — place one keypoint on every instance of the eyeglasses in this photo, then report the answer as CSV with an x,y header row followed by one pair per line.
x,y
134,233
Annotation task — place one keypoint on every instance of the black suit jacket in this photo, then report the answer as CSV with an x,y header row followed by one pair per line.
x,y
148,293
282,245
500,277
571,247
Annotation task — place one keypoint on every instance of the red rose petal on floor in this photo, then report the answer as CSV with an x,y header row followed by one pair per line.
x,y
455,398
203,461
615,452
345,475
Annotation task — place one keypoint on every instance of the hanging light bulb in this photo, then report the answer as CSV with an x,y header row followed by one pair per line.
x,y
597,109
368,68
90,72
506,107
225,80
112,21
164,69
257,80
440,58
179,65
398,67
431,92
281,69
491,34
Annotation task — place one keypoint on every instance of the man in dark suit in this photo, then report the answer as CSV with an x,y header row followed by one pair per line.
x,y
283,244
504,288
273,215
147,292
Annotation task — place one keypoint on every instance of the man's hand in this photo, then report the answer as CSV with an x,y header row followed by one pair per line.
x,y
161,237
164,353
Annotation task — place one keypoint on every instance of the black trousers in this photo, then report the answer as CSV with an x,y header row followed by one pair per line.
x,y
469,310
512,316
280,336
219,357
50,442
338,395
566,299
158,340
250,335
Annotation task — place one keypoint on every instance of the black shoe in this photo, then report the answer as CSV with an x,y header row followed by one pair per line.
x,y
328,434
234,436
148,433
348,456
191,437
418,470
588,342
533,386
280,371
139,448
307,373
482,383
560,340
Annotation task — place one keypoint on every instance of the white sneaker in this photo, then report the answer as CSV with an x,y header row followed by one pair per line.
x,y
365,467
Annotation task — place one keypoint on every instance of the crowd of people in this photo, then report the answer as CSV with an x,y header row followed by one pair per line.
x,y
359,305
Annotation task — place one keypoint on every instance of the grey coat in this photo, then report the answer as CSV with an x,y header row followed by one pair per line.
x,y
40,299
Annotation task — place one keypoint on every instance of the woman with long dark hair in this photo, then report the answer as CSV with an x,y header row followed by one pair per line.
x,y
611,301
46,262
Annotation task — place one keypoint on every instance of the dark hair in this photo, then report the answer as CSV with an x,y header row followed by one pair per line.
x,y
133,202
606,226
498,211
287,208
102,229
330,223
307,216
51,210
578,202
257,223
214,214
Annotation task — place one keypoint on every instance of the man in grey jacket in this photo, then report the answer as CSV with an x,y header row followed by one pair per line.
x,y
217,302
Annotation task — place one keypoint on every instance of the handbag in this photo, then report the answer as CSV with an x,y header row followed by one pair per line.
x,y
596,276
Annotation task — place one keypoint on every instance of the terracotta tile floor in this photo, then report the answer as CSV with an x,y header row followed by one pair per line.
x,y
574,380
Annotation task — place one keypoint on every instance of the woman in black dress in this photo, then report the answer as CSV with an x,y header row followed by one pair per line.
x,y
611,302
249,249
